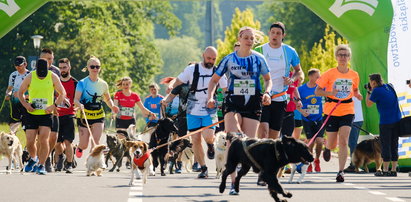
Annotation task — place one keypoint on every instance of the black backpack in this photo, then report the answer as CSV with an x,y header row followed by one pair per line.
x,y
193,87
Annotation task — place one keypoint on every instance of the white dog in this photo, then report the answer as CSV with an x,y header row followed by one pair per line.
x,y
142,160
95,161
187,157
220,153
303,172
11,148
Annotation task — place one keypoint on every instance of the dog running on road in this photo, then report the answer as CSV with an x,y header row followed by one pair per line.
x,y
11,148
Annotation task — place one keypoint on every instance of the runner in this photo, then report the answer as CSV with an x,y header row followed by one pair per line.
x,y
48,54
66,119
294,103
90,94
126,101
15,79
339,84
312,111
152,103
198,75
41,85
280,58
244,100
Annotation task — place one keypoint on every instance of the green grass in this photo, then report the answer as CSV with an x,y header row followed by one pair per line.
x,y
20,133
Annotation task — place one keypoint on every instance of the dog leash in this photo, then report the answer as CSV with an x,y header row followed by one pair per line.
x,y
325,122
368,133
2,104
188,135
88,127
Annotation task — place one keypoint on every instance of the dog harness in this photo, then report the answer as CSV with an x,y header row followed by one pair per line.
x,y
248,148
140,161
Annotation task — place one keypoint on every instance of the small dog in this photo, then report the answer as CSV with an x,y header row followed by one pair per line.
x,y
142,160
220,153
266,156
11,148
118,150
95,161
178,148
187,157
303,172
366,152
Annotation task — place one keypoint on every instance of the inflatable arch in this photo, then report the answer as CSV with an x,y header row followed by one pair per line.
x,y
378,32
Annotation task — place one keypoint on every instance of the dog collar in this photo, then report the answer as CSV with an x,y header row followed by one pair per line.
x,y
140,161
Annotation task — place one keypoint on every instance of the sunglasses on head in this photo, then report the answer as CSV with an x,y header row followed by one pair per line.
x,y
94,66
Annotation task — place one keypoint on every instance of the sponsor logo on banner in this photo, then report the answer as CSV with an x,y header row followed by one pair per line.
x,y
9,7
342,6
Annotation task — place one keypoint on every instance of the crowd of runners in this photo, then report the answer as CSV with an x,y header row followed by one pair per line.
x,y
257,91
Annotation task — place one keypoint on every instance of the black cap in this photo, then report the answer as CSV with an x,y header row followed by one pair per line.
x,y
19,60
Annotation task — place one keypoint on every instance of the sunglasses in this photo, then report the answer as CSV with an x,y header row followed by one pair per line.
x,y
94,66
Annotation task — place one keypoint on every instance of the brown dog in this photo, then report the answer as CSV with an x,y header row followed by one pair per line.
x,y
95,161
366,152
10,147
141,158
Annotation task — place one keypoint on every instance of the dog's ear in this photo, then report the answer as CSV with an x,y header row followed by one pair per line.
x,y
145,146
129,144
287,140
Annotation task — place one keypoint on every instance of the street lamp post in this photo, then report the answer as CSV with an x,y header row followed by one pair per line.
x,y
36,42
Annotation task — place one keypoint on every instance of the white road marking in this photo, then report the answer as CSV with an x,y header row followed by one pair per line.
x,y
348,184
136,188
136,192
376,193
395,199
362,188
135,200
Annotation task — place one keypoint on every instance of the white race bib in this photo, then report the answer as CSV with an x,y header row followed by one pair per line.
x,y
127,111
244,87
313,109
39,103
344,87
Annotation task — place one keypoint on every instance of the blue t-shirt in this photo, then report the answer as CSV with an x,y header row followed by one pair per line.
x,y
249,67
297,115
311,103
387,104
154,105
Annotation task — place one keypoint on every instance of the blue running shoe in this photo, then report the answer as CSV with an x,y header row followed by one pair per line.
x,y
30,165
299,167
41,170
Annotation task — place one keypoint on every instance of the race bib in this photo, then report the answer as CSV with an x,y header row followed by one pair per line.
x,y
127,111
244,87
344,87
313,109
39,103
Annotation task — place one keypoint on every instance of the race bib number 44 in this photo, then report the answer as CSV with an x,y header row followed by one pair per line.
x,y
344,87
244,87
40,103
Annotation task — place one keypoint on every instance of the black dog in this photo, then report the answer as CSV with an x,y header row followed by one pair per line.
x,y
266,156
117,150
175,150
160,136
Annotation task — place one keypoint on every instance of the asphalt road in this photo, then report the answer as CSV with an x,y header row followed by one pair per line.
x,y
186,187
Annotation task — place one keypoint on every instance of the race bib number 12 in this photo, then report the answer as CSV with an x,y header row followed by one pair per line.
x,y
244,87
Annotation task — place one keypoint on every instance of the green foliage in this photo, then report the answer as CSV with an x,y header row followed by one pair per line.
x,y
321,56
119,33
303,27
240,19
176,53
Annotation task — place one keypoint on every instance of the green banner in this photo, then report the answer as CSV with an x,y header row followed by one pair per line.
x,y
13,12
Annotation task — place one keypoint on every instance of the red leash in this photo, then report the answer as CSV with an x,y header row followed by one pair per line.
x,y
325,122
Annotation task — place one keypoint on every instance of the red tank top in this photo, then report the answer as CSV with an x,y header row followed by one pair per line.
x,y
70,87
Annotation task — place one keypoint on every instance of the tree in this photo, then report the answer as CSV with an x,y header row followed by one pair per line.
x,y
240,19
321,56
176,53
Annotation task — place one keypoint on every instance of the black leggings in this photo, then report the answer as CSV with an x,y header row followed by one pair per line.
x,y
389,134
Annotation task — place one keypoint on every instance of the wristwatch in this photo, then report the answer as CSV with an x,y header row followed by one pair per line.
x,y
268,93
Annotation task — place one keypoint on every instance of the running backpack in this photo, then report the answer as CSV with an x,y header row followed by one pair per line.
x,y
193,87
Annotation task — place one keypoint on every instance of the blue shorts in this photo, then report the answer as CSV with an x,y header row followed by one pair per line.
x,y
196,122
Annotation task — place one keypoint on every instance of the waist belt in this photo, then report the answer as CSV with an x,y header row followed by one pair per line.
x,y
278,94
327,99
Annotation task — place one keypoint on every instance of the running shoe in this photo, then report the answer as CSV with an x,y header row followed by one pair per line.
x,y
309,169
30,165
232,190
317,167
79,153
48,165
41,170
179,166
327,155
210,151
196,167
60,163
349,169
204,172
69,167
340,176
